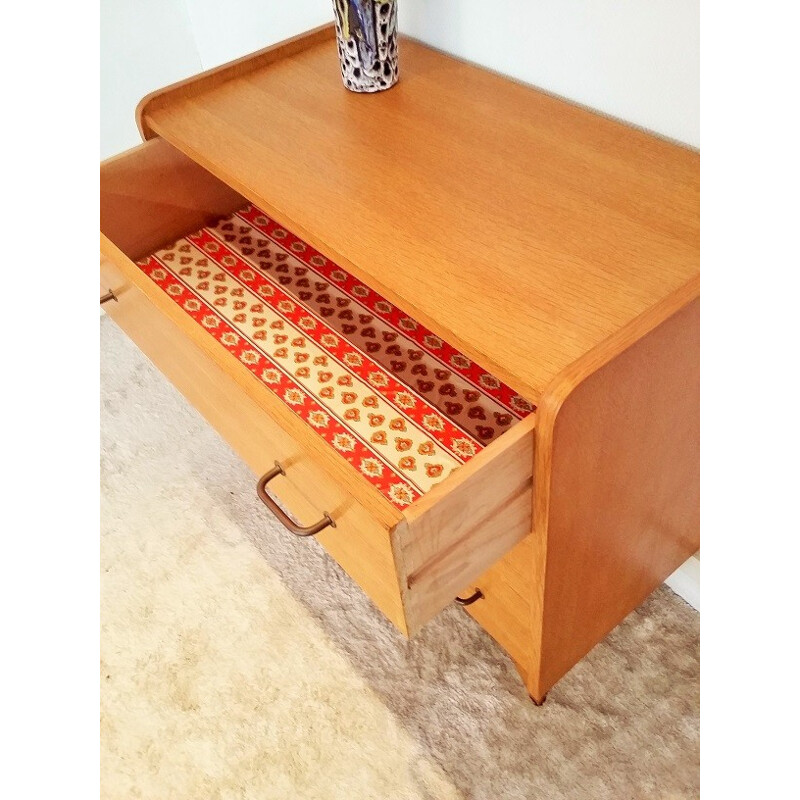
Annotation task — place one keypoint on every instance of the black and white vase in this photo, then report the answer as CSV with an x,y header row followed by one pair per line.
x,y
366,32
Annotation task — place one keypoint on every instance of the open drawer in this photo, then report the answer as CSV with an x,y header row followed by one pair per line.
x,y
414,463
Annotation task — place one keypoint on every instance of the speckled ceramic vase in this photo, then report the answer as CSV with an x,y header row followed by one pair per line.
x,y
366,32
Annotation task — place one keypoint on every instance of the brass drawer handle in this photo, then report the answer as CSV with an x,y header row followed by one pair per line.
x,y
109,295
473,598
283,517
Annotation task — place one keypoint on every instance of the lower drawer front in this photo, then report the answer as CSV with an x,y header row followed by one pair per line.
x,y
359,543
504,611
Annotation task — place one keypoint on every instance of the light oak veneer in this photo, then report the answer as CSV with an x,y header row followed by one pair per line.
x,y
556,247
411,563
521,228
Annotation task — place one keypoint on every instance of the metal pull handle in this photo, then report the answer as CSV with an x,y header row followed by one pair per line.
x,y
109,295
283,517
473,598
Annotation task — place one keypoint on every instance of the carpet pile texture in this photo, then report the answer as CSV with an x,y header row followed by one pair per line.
x,y
239,662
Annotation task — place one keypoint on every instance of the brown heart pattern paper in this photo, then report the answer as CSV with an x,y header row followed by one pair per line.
x,y
398,403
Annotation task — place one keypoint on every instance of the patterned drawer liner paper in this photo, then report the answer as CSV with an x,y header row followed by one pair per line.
x,y
399,404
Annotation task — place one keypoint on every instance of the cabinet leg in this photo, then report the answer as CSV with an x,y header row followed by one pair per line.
x,y
538,702
523,673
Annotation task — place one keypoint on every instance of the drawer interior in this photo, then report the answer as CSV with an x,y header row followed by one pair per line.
x,y
438,450
401,405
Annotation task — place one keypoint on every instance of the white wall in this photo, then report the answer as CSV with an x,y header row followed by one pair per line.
x,y
635,59
147,44
685,581
227,29
144,44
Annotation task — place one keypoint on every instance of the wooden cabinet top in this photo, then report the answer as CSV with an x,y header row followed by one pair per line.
x,y
522,228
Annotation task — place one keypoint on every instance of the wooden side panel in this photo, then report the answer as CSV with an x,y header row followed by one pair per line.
x,y
465,524
622,510
359,543
154,193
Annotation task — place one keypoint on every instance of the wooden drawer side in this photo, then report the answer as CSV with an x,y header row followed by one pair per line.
x,y
153,193
462,527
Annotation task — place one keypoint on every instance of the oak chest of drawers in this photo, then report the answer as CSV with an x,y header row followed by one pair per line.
x,y
453,326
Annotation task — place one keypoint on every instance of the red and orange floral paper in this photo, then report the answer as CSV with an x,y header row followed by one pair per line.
x,y
397,402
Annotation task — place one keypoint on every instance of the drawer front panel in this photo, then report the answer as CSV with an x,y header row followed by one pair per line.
x,y
505,609
466,524
359,543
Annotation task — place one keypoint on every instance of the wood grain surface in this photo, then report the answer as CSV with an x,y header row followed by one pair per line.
x,y
152,194
617,476
554,246
520,227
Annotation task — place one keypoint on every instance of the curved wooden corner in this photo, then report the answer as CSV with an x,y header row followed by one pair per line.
x,y
233,69
555,395
605,463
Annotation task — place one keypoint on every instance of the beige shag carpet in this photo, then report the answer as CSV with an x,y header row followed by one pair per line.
x,y
238,662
